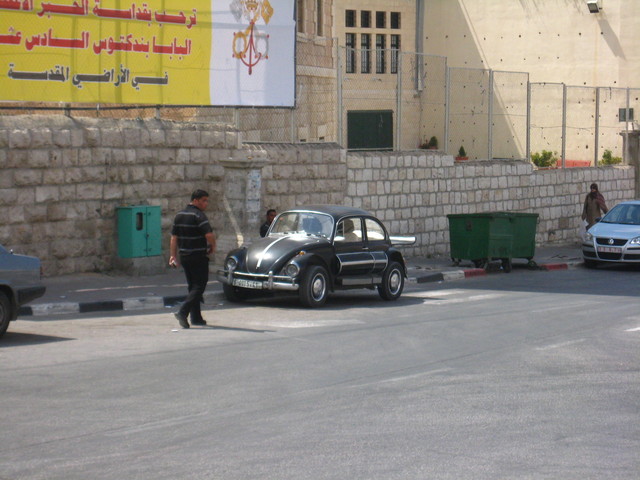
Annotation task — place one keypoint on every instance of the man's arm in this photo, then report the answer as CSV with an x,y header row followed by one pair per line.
x,y
173,251
211,242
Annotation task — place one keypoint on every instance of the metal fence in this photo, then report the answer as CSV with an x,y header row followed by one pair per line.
x,y
491,114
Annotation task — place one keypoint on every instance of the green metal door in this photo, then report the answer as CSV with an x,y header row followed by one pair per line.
x,y
370,130
139,231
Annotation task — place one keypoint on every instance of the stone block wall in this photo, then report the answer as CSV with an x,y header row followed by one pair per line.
x,y
63,178
413,192
303,175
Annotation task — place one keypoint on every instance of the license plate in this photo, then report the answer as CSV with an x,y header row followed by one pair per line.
x,y
241,282
609,249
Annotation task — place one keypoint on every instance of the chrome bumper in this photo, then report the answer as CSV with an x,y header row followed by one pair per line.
x,y
267,281
622,254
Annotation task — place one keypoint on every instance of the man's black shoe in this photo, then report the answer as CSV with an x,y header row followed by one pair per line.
x,y
182,320
200,322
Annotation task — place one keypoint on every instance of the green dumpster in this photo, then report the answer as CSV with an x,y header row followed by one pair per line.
x,y
482,237
524,235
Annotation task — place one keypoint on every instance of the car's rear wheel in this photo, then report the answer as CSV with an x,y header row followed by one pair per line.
x,y
234,294
314,286
392,282
5,312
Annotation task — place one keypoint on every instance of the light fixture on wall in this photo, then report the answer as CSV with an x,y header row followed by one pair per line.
x,y
594,6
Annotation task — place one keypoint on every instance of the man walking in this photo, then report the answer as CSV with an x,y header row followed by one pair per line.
x,y
192,239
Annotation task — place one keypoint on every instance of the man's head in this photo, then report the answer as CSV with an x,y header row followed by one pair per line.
x,y
594,187
200,199
271,214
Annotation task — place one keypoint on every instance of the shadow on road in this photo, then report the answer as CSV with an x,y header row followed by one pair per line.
x,y
615,280
336,301
17,339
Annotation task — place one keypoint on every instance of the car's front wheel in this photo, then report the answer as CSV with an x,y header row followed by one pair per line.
x,y
392,282
314,286
234,294
5,312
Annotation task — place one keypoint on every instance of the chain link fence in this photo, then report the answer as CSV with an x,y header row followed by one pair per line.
x,y
387,99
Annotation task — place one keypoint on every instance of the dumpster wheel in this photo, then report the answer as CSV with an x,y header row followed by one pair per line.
x,y
532,265
481,263
506,265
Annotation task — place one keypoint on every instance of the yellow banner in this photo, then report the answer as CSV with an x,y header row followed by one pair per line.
x,y
106,51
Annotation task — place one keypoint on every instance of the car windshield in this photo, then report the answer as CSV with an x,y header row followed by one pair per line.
x,y
302,223
625,214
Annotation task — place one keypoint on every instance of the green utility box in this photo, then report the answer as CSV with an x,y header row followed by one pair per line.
x,y
482,237
139,231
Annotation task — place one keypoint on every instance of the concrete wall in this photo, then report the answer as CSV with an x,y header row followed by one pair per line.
x,y
556,41
62,179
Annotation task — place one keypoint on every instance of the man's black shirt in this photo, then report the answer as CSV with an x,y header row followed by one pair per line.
x,y
190,226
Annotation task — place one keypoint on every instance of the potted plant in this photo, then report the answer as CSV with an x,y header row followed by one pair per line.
x,y
609,159
432,144
546,159
462,155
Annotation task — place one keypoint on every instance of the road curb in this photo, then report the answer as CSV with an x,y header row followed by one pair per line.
x,y
129,304
554,266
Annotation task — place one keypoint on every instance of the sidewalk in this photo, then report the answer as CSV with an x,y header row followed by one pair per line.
x,y
96,292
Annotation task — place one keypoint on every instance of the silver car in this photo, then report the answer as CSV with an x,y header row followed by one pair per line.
x,y
615,238
20,282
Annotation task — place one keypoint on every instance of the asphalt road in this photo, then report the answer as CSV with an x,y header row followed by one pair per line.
x,y
522,375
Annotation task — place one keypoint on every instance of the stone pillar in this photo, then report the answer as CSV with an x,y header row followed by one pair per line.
x,y
631,145
242,199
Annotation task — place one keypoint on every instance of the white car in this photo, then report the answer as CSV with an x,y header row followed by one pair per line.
x,y
615,238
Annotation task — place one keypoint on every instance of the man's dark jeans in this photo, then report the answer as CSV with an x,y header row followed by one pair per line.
x,y
196,269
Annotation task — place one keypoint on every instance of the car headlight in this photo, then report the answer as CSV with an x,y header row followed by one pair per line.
x,y
588,237
292,270
231,263
634,241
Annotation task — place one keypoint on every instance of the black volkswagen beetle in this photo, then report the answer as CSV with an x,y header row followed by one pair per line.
x,y
317,249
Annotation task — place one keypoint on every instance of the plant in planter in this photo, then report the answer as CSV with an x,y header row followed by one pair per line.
x,y
609,159
545,159
432,144
462,154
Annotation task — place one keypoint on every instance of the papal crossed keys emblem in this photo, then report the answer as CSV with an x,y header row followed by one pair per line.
x,y
250,46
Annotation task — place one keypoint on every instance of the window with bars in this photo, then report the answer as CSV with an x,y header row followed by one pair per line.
x,y
365,53
350,42
350,18
395,52
365,19
395,20
319,18
381,19
381,66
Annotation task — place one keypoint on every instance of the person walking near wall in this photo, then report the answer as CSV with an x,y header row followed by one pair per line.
x,y
594,206
271,214
192,240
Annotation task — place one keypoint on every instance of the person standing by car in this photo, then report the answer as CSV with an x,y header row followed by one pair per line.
x,y
192,240
271,214
594,206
